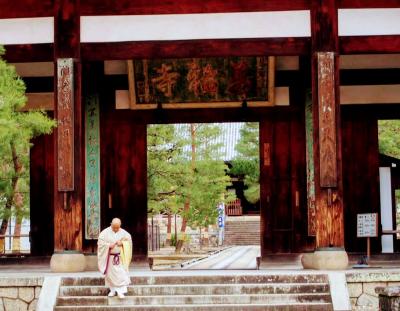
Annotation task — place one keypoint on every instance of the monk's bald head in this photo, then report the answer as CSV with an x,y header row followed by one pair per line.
x,y
116,224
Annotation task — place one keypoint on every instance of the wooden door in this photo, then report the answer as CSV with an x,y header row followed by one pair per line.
x,y
283,186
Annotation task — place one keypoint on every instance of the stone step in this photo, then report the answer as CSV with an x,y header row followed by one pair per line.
x,y
236,243
204,279
242,234
194,300
252,228
248,226
205,307
201,289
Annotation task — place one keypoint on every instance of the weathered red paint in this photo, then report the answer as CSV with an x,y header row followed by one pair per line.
x,y
370,44
68,205
329,201
139,7
327,119
195,48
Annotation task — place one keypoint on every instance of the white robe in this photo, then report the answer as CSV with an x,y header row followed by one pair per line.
x,y
116,276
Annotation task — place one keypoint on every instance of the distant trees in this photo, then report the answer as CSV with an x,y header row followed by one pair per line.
x,y
389,144
17,128
185,174
247,163
389,138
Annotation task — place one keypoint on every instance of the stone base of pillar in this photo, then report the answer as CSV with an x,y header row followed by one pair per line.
x,y
91,262
67,261
330,258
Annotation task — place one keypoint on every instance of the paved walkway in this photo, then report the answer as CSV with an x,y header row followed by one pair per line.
x,y
233,258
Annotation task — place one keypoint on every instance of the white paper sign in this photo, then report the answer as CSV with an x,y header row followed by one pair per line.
x,y
367,225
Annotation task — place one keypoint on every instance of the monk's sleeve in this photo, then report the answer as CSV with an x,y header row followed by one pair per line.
x,y
126,250
103,248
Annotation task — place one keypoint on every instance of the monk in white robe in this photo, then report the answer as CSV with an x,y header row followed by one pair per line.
x,y
114,253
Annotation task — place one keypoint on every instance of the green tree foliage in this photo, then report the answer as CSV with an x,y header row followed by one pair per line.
x,y
389,144
209,178
167,171
389,138
185,174
247,165
17,128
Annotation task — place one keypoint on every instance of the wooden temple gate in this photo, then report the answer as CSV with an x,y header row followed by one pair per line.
x,y
294,218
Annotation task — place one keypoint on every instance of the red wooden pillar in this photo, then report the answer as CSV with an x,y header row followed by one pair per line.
x,y
327,137
68,168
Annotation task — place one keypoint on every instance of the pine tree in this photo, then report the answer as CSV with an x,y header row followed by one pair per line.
x,y
165,170
247,164
17,128
208,182
186,175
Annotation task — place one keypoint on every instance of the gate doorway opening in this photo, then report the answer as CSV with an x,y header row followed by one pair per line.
x,y
203,195
389,181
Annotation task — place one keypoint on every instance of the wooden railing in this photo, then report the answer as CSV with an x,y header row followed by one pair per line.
x,y
153,237
234,208
3,238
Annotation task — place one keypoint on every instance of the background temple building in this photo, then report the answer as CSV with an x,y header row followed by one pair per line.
x,y
316,75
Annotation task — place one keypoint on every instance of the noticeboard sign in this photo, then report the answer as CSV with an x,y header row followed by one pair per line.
x,y
367,225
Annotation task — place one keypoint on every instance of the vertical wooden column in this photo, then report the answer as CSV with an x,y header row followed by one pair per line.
x,y
266,213
326,125
68,169
124,176
41,203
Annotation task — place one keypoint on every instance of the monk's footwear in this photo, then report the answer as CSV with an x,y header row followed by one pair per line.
x,y
111,294
121,296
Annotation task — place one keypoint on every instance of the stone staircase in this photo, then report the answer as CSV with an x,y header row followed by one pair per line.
x,y
298,292
242,230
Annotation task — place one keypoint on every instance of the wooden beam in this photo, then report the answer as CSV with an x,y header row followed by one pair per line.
x,y
66,28
140,7
357,4
370,44
19,53
68,199
44,101
325,101
203,48
327,119
37,8
26,8
195,48
324,26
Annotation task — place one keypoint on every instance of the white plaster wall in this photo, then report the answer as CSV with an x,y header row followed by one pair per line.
x,y
386,208
195,26
368,22
27,30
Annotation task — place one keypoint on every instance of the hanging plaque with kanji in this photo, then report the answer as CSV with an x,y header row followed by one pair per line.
x,y
65,128
92,164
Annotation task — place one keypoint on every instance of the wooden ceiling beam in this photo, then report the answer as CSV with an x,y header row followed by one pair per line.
x,y
141,7
195,48
43,8
19,53
26,8
370,44
357,4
